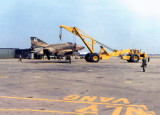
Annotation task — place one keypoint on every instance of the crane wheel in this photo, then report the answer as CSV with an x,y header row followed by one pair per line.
x,y
87,57
134,58
94,57
129,60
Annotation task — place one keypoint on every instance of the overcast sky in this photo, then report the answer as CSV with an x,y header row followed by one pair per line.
x,y
120,24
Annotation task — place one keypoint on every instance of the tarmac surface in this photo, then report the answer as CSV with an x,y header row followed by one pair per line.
x,y
110,87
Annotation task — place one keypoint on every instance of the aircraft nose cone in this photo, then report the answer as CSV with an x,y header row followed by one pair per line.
x,y
81,47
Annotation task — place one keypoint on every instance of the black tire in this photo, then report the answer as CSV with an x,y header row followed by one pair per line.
x,y
94,57
134,58
129,60
87,57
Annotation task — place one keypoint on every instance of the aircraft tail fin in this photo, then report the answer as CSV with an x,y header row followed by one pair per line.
x,y
35,42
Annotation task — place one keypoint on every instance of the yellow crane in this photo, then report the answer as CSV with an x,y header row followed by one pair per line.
x,y
128,54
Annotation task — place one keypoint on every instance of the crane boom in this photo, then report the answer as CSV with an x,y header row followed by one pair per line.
x,y
76,31
132,56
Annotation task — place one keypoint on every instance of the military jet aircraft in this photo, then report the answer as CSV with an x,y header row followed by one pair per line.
x,y
61,50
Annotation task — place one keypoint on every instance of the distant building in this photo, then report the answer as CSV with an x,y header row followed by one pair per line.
x,y
7,53
10,53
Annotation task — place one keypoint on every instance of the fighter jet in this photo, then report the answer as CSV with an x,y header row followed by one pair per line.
x,y
61,50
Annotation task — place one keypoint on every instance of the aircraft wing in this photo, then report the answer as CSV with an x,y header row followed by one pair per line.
x,y
67,53
37,50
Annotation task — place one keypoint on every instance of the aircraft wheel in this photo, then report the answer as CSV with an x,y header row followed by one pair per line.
x,y
134,58
94,57
48,56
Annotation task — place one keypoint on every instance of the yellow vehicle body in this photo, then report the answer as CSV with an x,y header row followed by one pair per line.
x,y
127,54
134,56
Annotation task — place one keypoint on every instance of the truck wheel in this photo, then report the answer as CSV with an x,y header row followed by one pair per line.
x,y
94,57
87,57
134,58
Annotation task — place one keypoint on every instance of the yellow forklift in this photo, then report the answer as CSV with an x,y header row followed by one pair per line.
x,y
131,55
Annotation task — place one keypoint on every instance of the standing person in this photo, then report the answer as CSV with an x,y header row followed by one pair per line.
x,y
144,63
148,58
69,59
20,58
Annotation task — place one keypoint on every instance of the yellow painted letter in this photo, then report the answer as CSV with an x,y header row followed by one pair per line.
x,y
104,99
124,100
71,97
117,111
88,98
93,108
139,111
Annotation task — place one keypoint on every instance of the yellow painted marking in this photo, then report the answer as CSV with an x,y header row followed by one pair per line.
x,y
88,98
89,70
71,97
127,82
104,99
117,111
132,110
75,113
138,111
3,76
138,106
124,100
93,103
92,108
